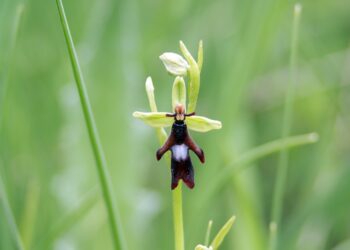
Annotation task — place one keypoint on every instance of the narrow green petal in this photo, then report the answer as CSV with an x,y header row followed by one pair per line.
x,y
193,88
202,124
222,233
162,135
207,235
179,92
187,55
200,55
150,94
154,119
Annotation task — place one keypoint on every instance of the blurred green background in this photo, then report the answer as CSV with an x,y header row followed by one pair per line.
x,y
46,161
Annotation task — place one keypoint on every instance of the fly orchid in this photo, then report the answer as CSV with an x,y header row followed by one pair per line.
x,y
181,119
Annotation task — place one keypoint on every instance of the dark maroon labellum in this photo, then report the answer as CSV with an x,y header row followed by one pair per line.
x,y
179,143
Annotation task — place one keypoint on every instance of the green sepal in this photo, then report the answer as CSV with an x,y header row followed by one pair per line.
x,y
193,88
154,119
202,124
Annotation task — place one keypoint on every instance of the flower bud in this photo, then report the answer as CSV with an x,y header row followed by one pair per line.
x,y
174,63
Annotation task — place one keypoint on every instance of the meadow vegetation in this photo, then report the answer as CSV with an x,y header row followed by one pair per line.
x,y
50,189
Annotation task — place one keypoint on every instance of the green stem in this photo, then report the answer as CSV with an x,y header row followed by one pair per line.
x,y
177,202
4,78
178,219
4,203
30,212
177,206
287,120
9,215
275,146
252,155
104,176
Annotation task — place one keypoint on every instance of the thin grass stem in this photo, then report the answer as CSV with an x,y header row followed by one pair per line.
x,y
286,127
104,176
5,72
4,202
252,155
30,212
10,217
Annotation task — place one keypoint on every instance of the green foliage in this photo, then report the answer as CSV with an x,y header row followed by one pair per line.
x,y
46,161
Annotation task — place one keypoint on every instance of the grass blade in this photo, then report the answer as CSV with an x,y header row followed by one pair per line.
x,y
10,217
287,120
5,71
253,155
3,89
104,177
30,214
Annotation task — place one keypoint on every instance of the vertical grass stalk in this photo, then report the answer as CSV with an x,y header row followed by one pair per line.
x,y
9,216
287,120
4,203
104,177
5,71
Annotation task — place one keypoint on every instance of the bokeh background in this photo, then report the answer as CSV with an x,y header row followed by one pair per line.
x,y
46,160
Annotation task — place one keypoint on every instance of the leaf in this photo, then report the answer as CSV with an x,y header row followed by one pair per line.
x,y
154,119
222,233
202,124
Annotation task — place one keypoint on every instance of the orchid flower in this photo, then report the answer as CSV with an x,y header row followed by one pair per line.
x,y
176,65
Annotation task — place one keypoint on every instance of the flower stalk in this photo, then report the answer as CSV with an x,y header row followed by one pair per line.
x,y
178,66
176,193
